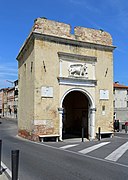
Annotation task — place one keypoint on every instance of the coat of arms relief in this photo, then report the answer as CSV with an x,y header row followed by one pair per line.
x,y
78,70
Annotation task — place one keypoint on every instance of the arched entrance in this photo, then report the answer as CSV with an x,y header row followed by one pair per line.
x,y
75,115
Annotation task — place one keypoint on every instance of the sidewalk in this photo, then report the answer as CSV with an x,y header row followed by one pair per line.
x,y
3,176
122,132
8,119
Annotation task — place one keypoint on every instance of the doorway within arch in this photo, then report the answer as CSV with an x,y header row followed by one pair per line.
x,y
75,115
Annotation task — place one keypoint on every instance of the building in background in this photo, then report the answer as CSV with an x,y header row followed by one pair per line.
x,y
5,114
2,102
15,98
65,81
121,104
9,101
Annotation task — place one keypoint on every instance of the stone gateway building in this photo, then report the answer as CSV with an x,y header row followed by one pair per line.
x,y
65,82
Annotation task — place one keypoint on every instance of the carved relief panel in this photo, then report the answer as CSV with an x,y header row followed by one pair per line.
x,y
75,66
78,70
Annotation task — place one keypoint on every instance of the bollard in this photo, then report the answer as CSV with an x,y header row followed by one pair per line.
x,y
15,164
126,128
99,133
0,156
82,134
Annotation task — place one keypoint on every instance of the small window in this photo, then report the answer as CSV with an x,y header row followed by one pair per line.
x,y
113,103
114,91
16,92
25,67
103,110
31,66
114,116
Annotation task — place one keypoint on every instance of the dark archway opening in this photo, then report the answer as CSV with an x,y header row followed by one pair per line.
x,y
75,116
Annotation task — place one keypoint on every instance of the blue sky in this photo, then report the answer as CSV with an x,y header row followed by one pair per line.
x,y
17,18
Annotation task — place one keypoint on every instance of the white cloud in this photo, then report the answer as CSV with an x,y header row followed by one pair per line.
x,y
86,5
8,71
119,8
3,74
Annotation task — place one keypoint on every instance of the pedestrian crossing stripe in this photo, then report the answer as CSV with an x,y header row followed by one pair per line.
x,y
92,148
69,146
115,155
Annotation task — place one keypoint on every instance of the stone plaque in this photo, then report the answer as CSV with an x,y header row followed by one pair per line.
x,y
47,91
104,94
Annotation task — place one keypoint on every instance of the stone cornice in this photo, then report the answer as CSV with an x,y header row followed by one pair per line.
x,y
66,41
24,46
67,56
77,81
73,42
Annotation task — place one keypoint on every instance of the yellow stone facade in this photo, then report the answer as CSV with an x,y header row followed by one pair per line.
x,y
61,77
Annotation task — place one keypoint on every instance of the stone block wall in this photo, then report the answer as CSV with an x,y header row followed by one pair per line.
x,y
59,29
93,36
49,27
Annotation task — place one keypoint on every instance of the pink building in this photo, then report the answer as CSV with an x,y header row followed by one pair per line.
x,y
10,102
2,100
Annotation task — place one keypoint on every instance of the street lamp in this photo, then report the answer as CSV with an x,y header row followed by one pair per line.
x,y
10,82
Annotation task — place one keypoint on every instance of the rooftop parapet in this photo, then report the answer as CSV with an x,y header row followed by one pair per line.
x,y
93,36
61,30
49,27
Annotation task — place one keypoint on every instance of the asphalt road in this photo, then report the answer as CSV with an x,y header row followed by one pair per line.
x,y
65,160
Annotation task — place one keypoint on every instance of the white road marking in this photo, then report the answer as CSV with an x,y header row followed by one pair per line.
x,y
76,153
115,155
7,169
92,148
69,146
